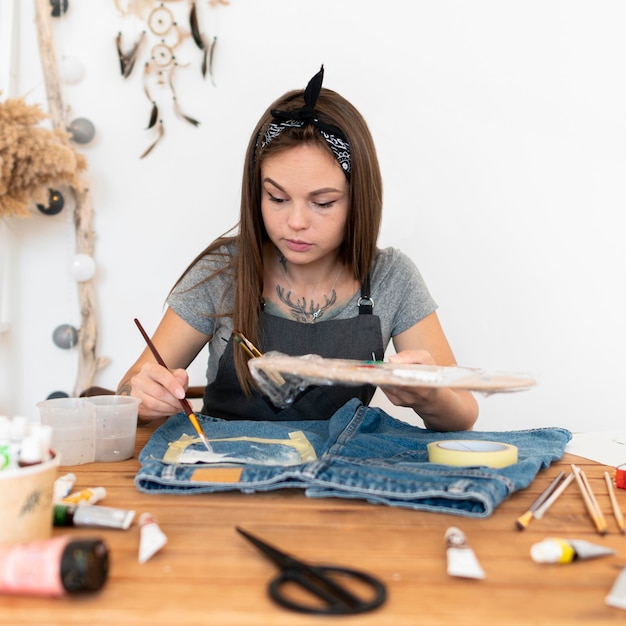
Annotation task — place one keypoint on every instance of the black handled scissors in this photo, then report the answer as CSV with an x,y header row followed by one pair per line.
x,y
329,588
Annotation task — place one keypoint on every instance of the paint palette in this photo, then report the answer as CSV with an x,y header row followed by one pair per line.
x,y
312,369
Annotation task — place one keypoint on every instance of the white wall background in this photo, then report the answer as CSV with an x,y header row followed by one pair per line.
x,y
501,129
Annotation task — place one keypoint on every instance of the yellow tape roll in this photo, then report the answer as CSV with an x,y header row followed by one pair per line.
x,y
464,452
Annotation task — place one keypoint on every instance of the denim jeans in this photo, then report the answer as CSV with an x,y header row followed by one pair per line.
x,y
360,452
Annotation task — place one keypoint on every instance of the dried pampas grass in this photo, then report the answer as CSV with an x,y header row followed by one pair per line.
x,y
32,158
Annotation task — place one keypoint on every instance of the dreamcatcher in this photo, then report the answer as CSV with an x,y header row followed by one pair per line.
x,y
163,29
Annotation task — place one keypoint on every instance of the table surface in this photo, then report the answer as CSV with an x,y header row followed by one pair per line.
x,y
208,574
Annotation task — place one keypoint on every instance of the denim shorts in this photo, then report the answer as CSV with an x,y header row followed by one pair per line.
x,y
360,452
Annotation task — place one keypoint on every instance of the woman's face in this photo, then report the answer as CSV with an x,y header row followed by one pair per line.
x,y
304,203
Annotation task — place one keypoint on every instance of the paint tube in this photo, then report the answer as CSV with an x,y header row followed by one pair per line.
x,y
54,567
91,515
152,538
63,486
86,496
617,595
566,550
461,558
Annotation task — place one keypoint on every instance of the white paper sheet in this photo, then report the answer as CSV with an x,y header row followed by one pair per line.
x,y
608,446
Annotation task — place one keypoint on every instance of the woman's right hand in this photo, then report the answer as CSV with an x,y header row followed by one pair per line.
x,y
159,389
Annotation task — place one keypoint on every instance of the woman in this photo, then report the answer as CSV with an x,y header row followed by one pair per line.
x,y
301,275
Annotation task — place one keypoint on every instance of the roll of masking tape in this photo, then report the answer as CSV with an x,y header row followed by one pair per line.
x,y
472,452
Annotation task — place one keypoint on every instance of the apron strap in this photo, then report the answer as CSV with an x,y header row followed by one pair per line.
x,y
366,304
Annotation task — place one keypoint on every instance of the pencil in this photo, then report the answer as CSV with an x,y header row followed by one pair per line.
x,y
523,520
619,518
541,510
184,402
590,501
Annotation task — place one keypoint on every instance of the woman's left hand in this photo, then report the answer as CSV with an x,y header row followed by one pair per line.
x,y
416,398
441,408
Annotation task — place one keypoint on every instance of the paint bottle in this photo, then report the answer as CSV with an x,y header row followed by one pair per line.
x,y
566,550
43,434
30,452
54,567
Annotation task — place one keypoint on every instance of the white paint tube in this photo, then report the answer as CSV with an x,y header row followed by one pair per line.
x,y
462,561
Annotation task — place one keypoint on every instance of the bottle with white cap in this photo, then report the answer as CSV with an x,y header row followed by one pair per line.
x,y
43,434
30,451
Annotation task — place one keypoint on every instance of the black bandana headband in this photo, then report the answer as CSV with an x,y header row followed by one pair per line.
x,y
334,137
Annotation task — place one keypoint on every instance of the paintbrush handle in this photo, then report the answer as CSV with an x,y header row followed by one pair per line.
x,y
184,402
590,502
525,519
619,518
152,347
539,513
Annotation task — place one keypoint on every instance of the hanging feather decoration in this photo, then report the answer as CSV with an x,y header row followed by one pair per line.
x,y
120,53
199,38
177,108
213,45
161,40
127,60
161,129
154,114
195,30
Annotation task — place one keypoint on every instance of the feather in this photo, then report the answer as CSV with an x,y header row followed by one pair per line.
x,y
195,30
205,56
120,54
177,108
179,112
155,110
131,57
213,45
156,141
154,115
127,60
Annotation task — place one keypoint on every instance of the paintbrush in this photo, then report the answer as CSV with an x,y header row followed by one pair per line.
x,y
554,496
590,501
184,402
619,518
246,344
253,352
523,521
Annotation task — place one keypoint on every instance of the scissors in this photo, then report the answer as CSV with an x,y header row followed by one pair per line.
x,y
329,587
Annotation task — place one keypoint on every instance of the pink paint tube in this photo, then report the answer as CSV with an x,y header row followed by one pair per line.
x,y
54,567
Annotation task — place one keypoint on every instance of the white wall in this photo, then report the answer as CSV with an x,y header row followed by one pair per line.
x,y
501,133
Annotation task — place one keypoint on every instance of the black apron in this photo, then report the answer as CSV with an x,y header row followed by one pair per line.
x,y
359,337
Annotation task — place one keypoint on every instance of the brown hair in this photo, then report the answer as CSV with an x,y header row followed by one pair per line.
x,y
364,215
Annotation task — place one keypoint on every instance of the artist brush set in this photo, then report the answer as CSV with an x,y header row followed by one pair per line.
x,y
552,492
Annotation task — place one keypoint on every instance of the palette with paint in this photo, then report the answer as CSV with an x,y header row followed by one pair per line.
x,y
282,377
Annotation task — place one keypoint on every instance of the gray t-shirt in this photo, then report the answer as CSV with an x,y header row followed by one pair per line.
x,y
401,299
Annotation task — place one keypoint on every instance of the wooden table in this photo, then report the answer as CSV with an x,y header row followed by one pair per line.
x,y
208,574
